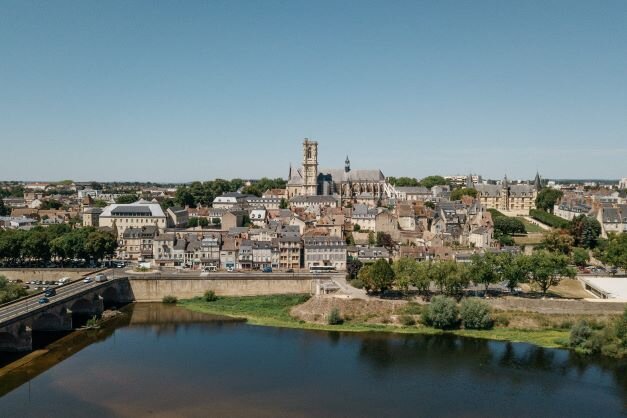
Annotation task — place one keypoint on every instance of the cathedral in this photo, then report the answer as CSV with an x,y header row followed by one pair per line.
x,y
349,185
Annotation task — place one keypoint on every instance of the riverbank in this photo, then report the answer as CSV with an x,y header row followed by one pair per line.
x,y
281,311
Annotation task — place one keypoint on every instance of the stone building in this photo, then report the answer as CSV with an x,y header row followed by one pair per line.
x,y
348,184
516,199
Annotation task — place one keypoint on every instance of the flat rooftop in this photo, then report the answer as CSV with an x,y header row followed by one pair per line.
x,y
606,287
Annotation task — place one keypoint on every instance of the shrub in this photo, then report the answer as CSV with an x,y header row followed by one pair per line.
x,y
92,322
442,313
407,320
169,299
501,320
549,219
210,296
476,314
581,338
357,283
334,317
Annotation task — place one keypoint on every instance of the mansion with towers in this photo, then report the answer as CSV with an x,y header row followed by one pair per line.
x,y
346,183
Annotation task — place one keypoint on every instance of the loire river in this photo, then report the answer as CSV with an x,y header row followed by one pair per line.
x,y
167,362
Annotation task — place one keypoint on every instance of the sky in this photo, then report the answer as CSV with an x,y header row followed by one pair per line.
x,y
176,91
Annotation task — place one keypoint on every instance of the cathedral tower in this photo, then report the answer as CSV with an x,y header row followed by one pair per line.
x,y
310,167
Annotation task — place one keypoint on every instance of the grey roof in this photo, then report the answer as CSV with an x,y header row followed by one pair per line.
x,y
313,199
413,190
340,175
131,210
142,232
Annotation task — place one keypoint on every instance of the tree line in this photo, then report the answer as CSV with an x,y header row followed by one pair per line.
x,y
60,243
543,269
203,193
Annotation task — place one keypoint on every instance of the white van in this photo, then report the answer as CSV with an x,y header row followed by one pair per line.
x,y
209,269
62,281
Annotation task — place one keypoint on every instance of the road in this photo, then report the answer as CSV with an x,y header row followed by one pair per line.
x,y
32,303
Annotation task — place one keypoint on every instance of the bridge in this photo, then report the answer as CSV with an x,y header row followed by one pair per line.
x,y
19,319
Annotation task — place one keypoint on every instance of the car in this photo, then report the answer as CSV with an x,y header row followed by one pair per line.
x,y
230,269
50,292
88,280
101,278
289,271
44,300
267,270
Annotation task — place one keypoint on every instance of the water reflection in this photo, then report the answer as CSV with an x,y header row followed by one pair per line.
x,y
160,359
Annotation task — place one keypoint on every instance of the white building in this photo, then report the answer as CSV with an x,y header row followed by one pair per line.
x,y
138,214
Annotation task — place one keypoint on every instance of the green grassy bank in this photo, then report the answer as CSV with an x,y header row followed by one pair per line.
x,y
274,311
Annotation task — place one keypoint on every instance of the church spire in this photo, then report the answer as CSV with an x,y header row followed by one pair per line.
x,y
469,183
505,183
537,183
347,165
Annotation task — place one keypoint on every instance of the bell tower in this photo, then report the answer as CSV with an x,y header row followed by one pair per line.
x,y
310,167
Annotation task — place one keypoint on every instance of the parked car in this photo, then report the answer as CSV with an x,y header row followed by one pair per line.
x,y
267,270
289,271
101,278
50,292
63,280
88,280
44,300
230,269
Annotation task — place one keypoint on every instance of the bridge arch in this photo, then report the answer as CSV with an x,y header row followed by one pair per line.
x,y
110,296
47,321
82,306
8,342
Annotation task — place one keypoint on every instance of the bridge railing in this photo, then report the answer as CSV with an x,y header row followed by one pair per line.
x,y
41,292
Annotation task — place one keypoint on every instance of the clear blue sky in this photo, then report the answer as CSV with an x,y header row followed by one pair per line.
x,y
194,90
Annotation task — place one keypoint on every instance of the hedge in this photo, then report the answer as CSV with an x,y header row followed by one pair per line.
x,y
549,219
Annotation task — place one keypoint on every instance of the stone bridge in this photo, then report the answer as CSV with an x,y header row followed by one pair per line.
x,y
20,319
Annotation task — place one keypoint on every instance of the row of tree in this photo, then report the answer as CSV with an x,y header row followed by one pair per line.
x,y
203,193
427,182
56,242
543,268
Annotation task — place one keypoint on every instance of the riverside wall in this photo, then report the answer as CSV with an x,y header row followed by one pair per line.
x,y
28,274
154,288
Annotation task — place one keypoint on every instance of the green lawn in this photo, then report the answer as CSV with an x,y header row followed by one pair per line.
x,y
531,228
274,311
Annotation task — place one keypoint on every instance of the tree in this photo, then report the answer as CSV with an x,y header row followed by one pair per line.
x,y
613,251
476,314
10,291
405,270
126,199
353,266
547,269
547,198
513,269
403,181
458,193
429,204
371,238
356,228
4,211
504,225
99,203
449,276
184,198
585,231
441,313
421,278
482,269
385,240
431,181
557,241
580,257
284,204
378,276
51,204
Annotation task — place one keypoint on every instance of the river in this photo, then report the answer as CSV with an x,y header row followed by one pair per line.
x,y
164,361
